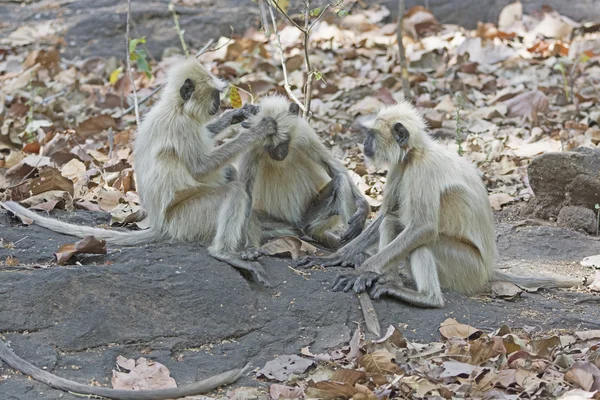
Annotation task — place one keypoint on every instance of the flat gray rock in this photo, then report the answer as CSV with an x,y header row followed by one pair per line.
x,y
175,304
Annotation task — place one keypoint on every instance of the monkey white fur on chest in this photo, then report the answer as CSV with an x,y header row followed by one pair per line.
x,y
435,217
297,186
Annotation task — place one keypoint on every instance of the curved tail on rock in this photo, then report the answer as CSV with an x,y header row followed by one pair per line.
x,y
131,238
57,382
536,282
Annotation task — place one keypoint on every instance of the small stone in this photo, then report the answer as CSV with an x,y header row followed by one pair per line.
x,y
577,218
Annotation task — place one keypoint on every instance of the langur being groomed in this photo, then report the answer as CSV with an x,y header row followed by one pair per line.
x,y
185,183
187,188
296,184
435,217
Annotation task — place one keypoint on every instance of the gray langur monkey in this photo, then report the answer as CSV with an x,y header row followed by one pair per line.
x,y
186,185
296,185
435,217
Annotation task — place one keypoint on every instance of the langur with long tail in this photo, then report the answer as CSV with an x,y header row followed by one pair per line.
x,y
186,184
435,217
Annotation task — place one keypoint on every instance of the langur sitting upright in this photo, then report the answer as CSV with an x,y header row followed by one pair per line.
x,y
185,183
297,186
435,217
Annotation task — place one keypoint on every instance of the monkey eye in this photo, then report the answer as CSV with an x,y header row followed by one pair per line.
x,y
400,133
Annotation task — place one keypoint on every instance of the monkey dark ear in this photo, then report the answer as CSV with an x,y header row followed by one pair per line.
x,y
400,133
187,89
294,109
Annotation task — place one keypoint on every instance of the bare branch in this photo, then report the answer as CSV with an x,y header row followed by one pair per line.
x,y
403,66
204,49
309,75
286,84
179,31
319,17
287,16
128,58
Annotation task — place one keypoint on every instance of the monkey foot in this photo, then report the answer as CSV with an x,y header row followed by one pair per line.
x,y
383,289
251,254
255,270
331,261
358,281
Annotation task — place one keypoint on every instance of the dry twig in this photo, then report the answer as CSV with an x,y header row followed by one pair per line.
x,y
128,58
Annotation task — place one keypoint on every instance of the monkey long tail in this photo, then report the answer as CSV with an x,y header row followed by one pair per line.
x,y
56,382
536,282
113,237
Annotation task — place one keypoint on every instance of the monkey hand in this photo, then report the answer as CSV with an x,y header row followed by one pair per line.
x,y
356,225
264,128
242,114
333,260
359,281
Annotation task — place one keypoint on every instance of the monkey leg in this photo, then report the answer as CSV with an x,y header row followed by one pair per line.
x,y
322,217
460,265
424,271
231,233
390,228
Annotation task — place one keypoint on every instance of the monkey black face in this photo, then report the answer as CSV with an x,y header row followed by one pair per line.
x,y
279,152
401,134
369,144
216,102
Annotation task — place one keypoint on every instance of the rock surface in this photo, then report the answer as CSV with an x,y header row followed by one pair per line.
x,y
562,179
174,304
98,27
577,218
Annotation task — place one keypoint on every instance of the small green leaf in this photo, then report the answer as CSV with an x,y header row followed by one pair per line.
x,y
134,42
143,66
342,13
315,12
584,58
597,206
318,75
559,67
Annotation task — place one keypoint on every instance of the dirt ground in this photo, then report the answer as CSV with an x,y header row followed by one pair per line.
x,y
162,302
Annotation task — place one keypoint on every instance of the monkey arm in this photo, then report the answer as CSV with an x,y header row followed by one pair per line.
x,y
407,241
230,117
225,153
352,252
341,182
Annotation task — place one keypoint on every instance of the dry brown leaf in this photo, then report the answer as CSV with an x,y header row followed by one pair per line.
x,y
544,347
497,200
146,375
288,245
87,245
283,367
456,368
95,124
329,390
379,361
349,376
394,337
59,198
285,392
451,328
11,261
587,335
585,375
50,179
527,104
506,290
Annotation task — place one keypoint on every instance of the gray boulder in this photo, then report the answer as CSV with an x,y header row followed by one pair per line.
x,y
569,178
